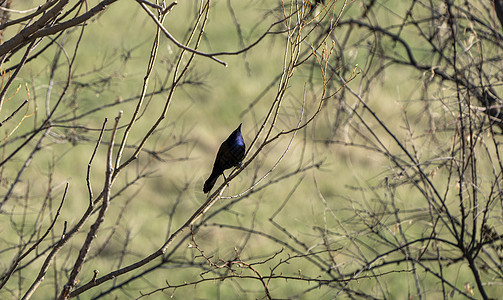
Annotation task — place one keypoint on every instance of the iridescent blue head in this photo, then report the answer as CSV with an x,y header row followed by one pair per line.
x,y
236,136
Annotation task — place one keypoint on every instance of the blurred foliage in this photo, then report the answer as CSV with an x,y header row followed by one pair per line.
x,y
334,218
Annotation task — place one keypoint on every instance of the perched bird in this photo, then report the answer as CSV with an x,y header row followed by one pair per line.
x,y
230,154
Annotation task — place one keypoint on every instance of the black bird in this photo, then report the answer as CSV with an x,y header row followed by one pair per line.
x,y
230,154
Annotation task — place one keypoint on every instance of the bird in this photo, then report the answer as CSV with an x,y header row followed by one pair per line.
x,y
230,154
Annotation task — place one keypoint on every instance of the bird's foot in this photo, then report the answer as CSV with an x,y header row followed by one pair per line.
x,y
225,179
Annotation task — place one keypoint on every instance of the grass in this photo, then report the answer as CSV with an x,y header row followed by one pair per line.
x,y
330,205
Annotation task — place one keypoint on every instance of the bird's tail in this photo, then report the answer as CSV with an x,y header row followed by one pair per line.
x,y
210,182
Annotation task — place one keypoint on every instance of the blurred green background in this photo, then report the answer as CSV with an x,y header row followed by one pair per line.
x,y
324,207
